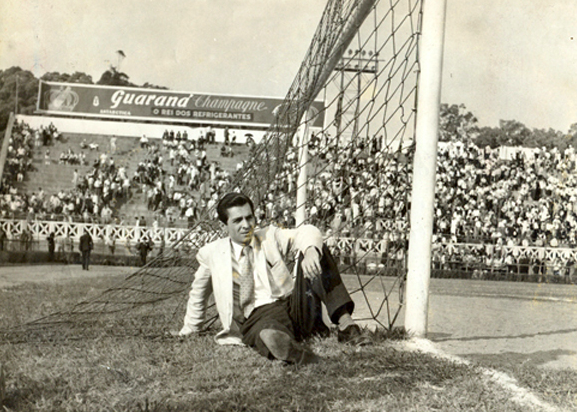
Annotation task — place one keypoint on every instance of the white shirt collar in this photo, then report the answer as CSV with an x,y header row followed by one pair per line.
x,y
237,249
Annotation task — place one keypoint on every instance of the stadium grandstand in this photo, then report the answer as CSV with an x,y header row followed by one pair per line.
x,y
161,179
162,185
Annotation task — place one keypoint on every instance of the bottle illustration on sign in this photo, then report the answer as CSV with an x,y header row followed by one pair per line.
x,y
95,101
63,99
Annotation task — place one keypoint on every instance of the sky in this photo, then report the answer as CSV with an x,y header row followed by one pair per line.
x,y
514,59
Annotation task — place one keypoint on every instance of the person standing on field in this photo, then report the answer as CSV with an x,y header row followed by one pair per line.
x,y
86,246
144,246
51,246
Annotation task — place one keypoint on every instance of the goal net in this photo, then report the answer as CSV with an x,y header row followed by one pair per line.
x,y
343,165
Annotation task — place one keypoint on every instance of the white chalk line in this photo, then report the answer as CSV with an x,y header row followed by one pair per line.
x,y
520,395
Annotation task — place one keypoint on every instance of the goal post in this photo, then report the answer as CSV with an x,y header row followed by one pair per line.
x,y
425,161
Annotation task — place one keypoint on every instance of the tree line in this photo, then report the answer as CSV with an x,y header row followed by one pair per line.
x,y
19,93
459,124
19,88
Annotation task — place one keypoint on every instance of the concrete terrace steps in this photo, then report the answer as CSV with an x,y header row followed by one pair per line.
x,y
51,178
241,152
228,164
55,176
136,207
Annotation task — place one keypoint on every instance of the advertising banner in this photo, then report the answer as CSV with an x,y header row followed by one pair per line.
x,y
112,102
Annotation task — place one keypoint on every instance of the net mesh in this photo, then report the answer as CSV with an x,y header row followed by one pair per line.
x,y
356,169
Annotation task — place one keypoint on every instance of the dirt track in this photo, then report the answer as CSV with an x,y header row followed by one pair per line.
x,y
14,275
504,322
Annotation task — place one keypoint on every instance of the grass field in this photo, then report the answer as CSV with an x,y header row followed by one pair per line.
x,y
107,373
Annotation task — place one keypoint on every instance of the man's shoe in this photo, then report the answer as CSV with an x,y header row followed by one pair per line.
x,y
284,348
354,336
186,331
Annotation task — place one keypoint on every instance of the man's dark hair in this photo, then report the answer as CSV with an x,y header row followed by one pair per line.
x,y
229,200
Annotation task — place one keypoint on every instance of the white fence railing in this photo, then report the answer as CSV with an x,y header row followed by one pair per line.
x,y
38,230
470,258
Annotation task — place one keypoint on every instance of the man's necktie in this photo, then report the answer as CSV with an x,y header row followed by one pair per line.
x,y
247,281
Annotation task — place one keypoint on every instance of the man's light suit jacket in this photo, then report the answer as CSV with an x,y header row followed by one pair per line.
x,y
214,275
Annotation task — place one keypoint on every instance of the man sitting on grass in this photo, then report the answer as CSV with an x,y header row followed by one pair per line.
x,y
255,294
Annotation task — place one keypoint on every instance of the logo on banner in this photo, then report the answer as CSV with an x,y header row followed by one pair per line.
x,y
63,99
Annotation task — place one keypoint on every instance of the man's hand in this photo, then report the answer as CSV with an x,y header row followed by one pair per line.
x,y
312,263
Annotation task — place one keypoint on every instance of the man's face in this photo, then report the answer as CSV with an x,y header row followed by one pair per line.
x,y
241,223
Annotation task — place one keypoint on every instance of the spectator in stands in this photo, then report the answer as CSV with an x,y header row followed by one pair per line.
x,y
144,144
226,136
210,135
106,214
113,145
75,178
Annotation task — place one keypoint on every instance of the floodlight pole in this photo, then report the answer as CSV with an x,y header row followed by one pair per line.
x,y
16,99
424,168
359,11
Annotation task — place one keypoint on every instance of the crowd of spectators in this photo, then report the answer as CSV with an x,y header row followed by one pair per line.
x,y
91,197
71,158
19,160
527,200
500,206
355,190
19,154
492,203
178,179
103,187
